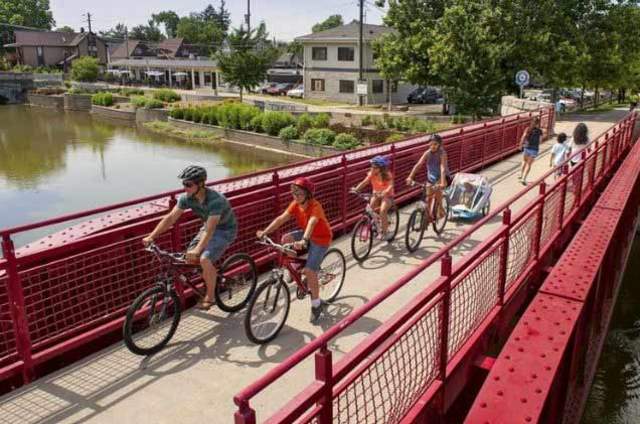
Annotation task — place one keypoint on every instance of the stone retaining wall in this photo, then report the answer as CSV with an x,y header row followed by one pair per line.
x,y
77,102
261,140
510,105
110,113
148,115
42,100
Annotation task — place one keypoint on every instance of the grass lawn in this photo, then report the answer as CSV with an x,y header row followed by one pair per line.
x,y
189,135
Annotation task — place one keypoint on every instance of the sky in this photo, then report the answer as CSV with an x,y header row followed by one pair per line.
x,y
285,19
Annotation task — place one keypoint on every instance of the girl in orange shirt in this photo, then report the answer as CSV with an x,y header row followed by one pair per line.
x,y
381,182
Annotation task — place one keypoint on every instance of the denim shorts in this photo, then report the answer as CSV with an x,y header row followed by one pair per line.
x,y
315,252
217,245
532,153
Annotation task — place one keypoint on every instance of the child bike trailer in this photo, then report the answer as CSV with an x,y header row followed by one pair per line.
x,y
469,196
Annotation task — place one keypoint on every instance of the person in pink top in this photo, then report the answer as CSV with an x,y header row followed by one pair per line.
x,y
381,182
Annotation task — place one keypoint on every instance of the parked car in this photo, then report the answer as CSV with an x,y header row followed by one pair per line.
x,y
279,89
263,89
424,95
297,91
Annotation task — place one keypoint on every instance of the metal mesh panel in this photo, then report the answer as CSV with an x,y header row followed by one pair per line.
x,y
588,172
521,244
7,339
600,160
551,214
388,387
86,288
473,295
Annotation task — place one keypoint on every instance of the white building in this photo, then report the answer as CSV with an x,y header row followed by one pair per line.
x,y
331,66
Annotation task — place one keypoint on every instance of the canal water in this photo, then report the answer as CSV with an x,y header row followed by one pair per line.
x,y
615,394
54,162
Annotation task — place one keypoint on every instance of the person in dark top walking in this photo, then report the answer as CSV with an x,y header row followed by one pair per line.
x,y
530,148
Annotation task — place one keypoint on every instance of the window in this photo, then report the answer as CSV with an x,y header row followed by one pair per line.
x,y
346,54
347,86
377,86
317,85
394,87
319,53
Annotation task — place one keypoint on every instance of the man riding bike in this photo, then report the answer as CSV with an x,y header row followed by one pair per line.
x,y
218,231
314,234
438,175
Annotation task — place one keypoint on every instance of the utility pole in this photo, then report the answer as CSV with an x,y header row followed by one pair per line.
x,y
89,21
92,42
360,53
247,17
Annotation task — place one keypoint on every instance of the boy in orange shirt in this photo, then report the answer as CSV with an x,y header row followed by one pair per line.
x,y
382,186
314,234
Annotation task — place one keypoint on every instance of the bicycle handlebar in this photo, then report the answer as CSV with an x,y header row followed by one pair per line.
x,y
155,249
284,248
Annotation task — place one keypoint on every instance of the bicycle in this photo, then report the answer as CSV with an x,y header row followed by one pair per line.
x,y
369,226
417,224
154,315
269,307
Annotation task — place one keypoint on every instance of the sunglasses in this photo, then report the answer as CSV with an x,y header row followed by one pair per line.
x,y
188,184
297,192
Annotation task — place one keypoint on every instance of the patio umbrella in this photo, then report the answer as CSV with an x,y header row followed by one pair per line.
x,y
180,74
155,73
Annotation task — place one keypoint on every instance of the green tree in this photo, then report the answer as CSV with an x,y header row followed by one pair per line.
x,y
33,13
248,58
147,32
197,31
295,47
390,65
118,32
169,19
332,21
65,28
84,69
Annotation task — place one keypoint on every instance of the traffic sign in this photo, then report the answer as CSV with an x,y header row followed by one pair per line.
x,y
522,78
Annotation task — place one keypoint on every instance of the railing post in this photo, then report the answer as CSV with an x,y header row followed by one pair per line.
x,y
445,271
15,296
275,179
540,218
245,414
504,256
324,373
343,200
484,145
502,136
580,171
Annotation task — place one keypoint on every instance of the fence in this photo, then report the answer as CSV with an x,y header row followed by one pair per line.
x,y
63,296
545,370
413,367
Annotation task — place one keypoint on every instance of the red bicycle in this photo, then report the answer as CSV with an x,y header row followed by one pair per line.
x,y
269,307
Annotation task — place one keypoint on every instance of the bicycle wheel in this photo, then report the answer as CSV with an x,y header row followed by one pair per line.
x,y
151,320
486,209
415,230
267,311
362,239
441,214
331,275
236,283
394,223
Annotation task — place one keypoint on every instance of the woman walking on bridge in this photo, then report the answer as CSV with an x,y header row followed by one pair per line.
x,y
530,148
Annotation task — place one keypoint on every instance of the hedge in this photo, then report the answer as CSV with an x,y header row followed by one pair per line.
x,y
102,99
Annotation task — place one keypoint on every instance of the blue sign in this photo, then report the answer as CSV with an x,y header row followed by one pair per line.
x,y
522,78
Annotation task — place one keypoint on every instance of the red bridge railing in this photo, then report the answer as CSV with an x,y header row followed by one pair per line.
x,y
544,371
63,296
414,366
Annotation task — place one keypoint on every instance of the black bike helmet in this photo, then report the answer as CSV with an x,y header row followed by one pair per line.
x,y
193,173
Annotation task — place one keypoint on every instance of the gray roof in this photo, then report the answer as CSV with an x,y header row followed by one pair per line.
x,y
173,64
49,38
121,50
349,32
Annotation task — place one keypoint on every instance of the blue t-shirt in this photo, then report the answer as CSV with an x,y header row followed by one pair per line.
x,y
214,204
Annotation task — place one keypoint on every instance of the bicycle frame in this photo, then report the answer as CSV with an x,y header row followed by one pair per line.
x,y
176,267
288,263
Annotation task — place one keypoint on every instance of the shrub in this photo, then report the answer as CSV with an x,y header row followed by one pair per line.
x,y
102,99
379,124
321,120
288,133
321,136
188,114
395,137
424,126
139,101
273,122
345,141
166,95
197,115
210,117
228,115
177,113
146,102
246,113
85,69
256,123
131,92
305,122
77,90
366,120
49,91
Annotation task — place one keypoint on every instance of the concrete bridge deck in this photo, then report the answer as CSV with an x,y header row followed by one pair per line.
x,y
210,359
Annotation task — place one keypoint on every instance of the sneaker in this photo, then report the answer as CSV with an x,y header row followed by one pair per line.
x,y
316,311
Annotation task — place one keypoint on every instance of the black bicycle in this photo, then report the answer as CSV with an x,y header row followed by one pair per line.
x,y
153,317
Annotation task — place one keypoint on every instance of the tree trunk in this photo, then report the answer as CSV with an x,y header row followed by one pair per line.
x,y
389,95
596,97
240,94
582,96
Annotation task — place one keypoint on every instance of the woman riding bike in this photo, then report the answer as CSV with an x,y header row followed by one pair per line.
x,y
438,176
314,234
381,182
